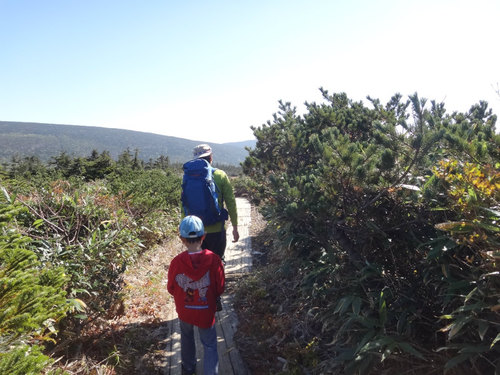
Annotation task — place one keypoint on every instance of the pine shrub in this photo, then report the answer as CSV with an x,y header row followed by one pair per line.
x,y
373,229
32,299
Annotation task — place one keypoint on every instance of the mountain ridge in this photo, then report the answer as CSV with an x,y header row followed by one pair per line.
x,y
46,140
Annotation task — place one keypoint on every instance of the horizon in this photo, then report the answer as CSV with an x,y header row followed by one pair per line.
x,y
119,129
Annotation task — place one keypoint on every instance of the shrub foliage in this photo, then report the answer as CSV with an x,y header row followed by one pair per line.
x,y
389,215
32,298
69,231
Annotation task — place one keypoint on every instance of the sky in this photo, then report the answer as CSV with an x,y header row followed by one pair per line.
x,y
209,70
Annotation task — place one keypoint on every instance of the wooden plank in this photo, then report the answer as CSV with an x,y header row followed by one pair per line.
x,y
238,262
238,255
175,345
225,366
168,351
224,361
229,324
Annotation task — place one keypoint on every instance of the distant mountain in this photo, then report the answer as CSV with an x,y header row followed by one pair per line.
x,y
48,140
243,144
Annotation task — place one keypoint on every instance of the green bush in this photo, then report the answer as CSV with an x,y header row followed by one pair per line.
x,y
244,186
85,230
352,195
23,360
90,217
153,198
32,298
95,229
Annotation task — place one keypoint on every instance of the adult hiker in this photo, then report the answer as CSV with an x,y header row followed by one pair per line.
x,y
206,190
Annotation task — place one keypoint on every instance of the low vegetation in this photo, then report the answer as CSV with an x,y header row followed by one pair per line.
x,y
379,254
384,241
32,299
69,230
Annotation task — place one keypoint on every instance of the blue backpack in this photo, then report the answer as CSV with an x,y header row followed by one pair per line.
x,y
200,194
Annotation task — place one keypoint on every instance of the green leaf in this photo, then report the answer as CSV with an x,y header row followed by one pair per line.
x,y
408,348
445,270
457,326
343,304
383,313
356,305
440,209
456,360
473,307
439,247
472,195
475,349
469,296
365,340
495,213
489,227
429,182
37,223
482,327
402,323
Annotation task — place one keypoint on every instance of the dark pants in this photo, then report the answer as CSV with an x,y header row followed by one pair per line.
x,y
215,242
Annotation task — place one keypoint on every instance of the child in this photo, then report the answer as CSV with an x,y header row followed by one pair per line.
x,y
196,279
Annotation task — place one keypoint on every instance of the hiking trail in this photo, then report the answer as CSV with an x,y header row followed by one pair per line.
x,y
238,258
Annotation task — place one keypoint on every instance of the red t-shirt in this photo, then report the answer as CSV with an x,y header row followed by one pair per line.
x,y
196,280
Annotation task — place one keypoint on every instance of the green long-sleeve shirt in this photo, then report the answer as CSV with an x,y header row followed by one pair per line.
x,y
226,197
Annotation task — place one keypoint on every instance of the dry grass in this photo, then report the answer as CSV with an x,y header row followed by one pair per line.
x,y
131,339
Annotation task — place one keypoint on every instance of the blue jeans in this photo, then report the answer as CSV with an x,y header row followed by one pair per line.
x,y
208,337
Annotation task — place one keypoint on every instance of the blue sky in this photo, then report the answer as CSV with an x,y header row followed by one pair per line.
x,y
208,70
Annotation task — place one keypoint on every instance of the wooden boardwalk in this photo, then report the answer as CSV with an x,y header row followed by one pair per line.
x,y
238,261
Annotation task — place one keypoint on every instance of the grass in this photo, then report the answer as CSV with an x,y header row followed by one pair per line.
x,y
131,339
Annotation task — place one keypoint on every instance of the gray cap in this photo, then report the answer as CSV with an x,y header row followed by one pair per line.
x,y
201,151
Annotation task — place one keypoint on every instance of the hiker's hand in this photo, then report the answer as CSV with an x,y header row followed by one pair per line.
x,y
236,235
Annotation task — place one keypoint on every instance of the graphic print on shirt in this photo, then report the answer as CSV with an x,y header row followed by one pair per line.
x,y
190,287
